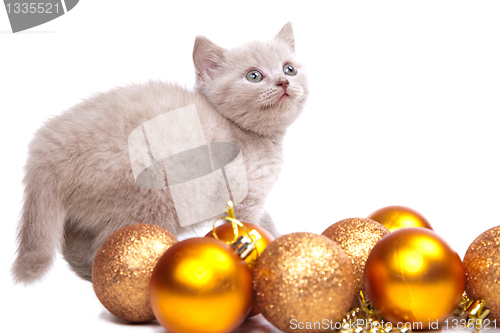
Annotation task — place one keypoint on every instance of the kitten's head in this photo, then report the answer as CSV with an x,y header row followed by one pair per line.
x,y
259,86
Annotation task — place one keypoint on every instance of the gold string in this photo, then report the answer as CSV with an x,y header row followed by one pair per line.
x,y
475,310
253,236
234,223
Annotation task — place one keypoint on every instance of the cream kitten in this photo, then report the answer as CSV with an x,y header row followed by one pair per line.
x,y
79,185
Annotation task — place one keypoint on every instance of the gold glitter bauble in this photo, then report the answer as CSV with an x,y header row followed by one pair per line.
x,y
201,285
482,269
412,275
303,278
357,237
123,266
226,234
397,217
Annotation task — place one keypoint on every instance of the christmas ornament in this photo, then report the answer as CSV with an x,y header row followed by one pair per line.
x,y
397,217
356,236
200,285
482,269
123,266
412,275
302,278
228,234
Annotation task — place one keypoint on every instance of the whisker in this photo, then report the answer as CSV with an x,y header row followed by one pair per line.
x,y
268,96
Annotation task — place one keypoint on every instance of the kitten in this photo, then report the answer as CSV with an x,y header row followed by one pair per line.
x,y
79,185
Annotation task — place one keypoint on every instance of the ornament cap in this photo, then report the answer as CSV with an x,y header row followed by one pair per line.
x,y
244,245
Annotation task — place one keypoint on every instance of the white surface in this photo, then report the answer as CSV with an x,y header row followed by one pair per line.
x,y
403,110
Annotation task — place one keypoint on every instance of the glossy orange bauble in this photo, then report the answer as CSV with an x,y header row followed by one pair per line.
x,y
200,285
412,275
226,234
397,217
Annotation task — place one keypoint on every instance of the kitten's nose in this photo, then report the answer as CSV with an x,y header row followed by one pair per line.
x,y
283,82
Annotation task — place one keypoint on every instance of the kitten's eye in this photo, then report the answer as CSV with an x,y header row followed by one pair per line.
x,y
254,76
289,70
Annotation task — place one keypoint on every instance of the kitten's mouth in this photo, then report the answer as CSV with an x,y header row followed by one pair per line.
x,y
284,96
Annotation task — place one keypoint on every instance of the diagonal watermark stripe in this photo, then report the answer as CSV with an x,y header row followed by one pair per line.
x,y
170,152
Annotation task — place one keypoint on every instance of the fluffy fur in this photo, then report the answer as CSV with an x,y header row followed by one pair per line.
x,y
79,186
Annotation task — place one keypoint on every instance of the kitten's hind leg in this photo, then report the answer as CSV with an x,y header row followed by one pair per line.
x,y
78,250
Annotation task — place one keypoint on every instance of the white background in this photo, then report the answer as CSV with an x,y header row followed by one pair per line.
x,y
403,109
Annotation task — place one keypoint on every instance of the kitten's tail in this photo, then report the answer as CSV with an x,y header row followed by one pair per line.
x,y
40,231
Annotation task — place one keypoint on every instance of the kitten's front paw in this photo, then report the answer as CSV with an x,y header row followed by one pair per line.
x,y
266,222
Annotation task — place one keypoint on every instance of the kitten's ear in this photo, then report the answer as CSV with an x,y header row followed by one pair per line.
x,y
207,57
286,35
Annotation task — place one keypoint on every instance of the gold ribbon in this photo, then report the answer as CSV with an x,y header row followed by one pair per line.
x,y
244,245
371,322
475,310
